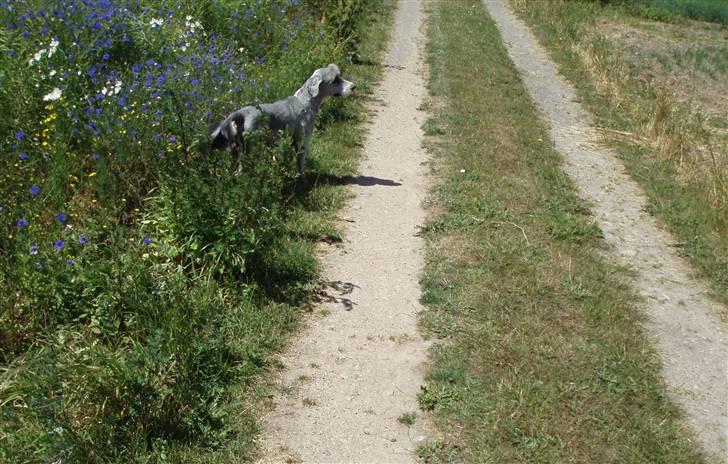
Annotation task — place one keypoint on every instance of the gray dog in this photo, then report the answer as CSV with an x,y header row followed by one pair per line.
x,y
296,114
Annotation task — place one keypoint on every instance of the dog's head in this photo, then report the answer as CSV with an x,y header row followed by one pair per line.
x,y
327,82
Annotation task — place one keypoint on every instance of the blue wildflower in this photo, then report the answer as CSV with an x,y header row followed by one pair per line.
x,y
34,190
22,223
58,244
70,261
19,135
147,240
83,240
23,156
33,250
62,218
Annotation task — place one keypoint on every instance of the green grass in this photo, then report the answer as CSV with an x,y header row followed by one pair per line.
x,y
336,150
703,10
540,355
675,153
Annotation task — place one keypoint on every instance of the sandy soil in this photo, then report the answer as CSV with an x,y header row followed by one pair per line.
x,y
354,372
681,317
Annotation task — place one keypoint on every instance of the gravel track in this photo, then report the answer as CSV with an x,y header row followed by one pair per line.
x,y
354,372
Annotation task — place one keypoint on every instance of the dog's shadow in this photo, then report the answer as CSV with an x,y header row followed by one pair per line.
x,y
368,181
309,182
335,292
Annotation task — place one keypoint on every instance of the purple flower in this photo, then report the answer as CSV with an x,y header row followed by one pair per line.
x,y
95,157
70,261
19,135
34,190
147,240
11,53
23,156
58,244
22,223
83,240
61,218
34,250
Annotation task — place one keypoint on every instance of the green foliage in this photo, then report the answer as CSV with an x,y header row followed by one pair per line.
x,y
344,18
669,10
150,276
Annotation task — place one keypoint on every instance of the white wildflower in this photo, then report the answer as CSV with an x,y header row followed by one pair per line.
x,y
38,55
155,23
112,90
53,47
55,94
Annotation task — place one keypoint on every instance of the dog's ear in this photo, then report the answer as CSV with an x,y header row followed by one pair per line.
x,y
333,72
314,83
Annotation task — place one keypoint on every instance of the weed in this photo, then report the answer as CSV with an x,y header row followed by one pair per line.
x,y
407,419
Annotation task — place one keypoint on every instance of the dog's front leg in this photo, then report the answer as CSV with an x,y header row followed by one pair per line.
x,y
302,153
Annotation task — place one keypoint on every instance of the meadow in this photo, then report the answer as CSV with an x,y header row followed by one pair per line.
x,y
140,276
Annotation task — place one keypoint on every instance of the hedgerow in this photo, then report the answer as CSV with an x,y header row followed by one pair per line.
x,y
126,245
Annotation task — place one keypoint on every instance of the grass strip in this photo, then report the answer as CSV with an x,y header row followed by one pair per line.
x,y
540,355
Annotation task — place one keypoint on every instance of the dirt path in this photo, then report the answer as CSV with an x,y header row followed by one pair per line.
x,y
682,319
354,372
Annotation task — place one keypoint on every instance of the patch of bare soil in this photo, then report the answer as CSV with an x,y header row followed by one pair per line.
x,y
354,372
682,318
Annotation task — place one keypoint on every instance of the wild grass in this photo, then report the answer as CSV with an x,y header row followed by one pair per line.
x,y
539,354
675,149
141,337
703,10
